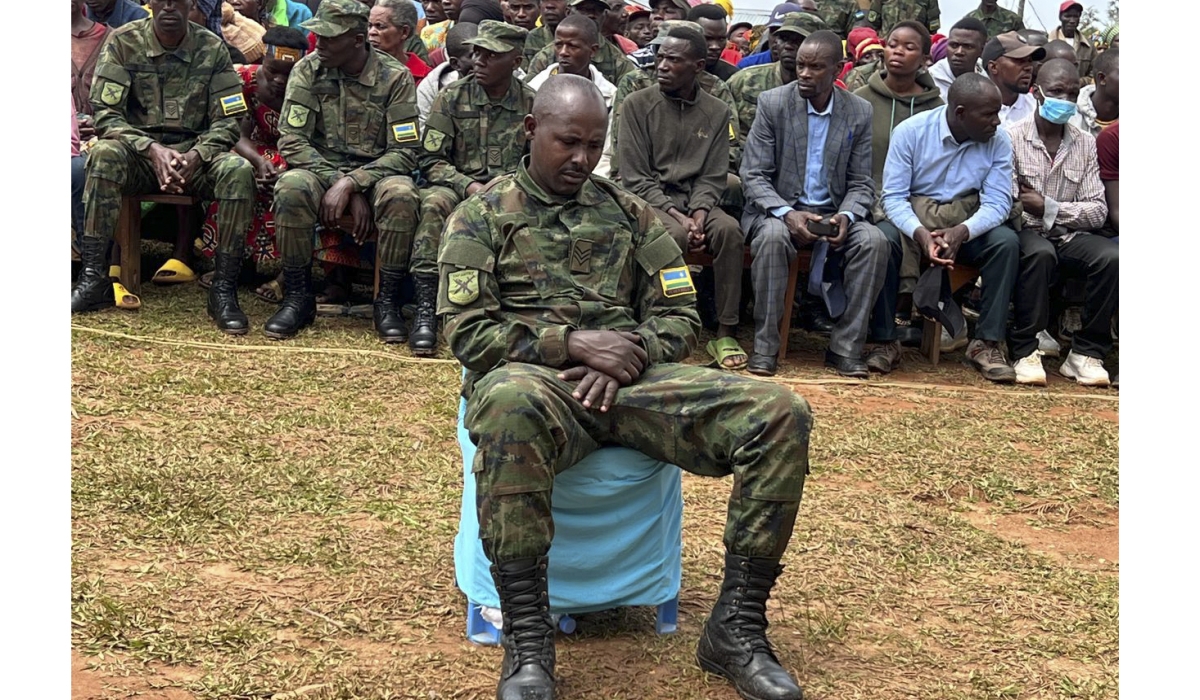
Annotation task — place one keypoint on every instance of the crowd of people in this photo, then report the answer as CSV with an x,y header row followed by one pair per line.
x,y
900,152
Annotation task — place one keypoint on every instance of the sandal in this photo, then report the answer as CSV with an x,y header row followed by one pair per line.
x,y
174,271
722,350
124,298
270,292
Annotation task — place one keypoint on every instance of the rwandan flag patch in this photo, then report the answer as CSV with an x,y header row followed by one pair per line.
x,y
406,132
676,281
234,104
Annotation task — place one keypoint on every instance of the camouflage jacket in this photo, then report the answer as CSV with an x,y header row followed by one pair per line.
x,y
644,78
364,127
185,98
535,41
842,15
884,14
746,86
469,139
860,76
609,60
998,23
520,268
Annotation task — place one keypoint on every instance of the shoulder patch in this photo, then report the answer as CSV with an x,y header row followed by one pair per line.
x,y
298,116
676,281
434,140
112,93
405,132
233,104
463,287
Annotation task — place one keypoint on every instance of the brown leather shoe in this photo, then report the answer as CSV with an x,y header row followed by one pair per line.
x,y
885,358
986,356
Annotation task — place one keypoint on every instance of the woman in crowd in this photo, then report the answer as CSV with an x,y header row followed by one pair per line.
x,y
391,24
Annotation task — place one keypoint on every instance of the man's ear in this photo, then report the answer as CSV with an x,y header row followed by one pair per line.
x,y
530,126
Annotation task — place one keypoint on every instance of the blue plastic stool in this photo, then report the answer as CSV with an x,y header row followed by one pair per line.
x,y
633,501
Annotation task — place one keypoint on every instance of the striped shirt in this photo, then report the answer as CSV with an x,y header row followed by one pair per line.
x,y
1070,182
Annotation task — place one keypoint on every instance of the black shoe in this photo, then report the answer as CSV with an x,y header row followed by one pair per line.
x,y
734,642
423,340
222,295
816,320
389,322
847,366
93,290
527,672
762,365
909,336
299,306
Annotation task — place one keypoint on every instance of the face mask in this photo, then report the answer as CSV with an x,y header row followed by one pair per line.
x,y
1056,111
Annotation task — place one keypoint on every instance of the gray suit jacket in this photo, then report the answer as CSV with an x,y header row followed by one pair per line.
x,y
777,148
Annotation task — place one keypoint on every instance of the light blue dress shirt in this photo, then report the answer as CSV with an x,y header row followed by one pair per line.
x,y
816,184
924,159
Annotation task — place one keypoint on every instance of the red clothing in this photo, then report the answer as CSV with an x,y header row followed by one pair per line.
x,y
417,67
1107,152
85,52
627,45
437,57
731,55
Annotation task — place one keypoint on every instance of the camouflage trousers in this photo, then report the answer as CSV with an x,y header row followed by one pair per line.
x,y
437,203
528,427
114,169
298,195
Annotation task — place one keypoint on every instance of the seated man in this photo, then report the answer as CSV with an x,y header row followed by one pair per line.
x,y
570,307
473,135
167,129
964,47
348,131
675,155
460,63
116,13
956,166
610,60
1100,104
816,169
1057,179
1008,60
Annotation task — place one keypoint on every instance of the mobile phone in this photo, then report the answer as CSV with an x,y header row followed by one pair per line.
x,y
822,227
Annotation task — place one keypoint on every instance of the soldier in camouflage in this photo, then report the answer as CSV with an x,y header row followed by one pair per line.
x,y
474,133
553,12
349,133
167,102
997,19
884,14
571,307
610,60
841,16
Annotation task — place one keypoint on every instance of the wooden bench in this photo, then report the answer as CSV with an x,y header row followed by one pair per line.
x,y
931,332
801,262
129,232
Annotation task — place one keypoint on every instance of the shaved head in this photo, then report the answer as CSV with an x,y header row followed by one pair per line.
x,y
970,88
565,96
1057,68
566,133
1060,49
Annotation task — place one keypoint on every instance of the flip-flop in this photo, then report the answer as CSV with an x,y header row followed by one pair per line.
x,y
270,292
124,298
173,271
722,349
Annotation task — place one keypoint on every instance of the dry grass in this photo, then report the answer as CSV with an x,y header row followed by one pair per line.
x,y
267,524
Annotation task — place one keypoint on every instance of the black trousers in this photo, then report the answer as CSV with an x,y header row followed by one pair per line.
x,y
1087,256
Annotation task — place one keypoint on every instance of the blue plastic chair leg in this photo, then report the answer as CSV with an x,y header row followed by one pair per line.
x,y
479,630
668,617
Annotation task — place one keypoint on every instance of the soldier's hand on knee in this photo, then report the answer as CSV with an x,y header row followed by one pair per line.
x,y
594,387
619,355
185,167
364,222
335,201
160,162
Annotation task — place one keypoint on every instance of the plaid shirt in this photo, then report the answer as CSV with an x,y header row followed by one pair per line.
x,y
1070,182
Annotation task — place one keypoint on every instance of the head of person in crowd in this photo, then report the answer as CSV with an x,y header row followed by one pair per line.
x,y
171,20
908,45
964,45
869,51
451,8
497,49
284,49
714,22
207,14
787,37
257,10
1105,69
434,12
522,13
552,12
390,24
566,131
1060,49
341,29
680,58
1035,37
576,40
818,62
739,36
1057,90
1008,60
638,27
459,54
595,10
938,50
1069,14
973,108
100,8
1111,38
663,10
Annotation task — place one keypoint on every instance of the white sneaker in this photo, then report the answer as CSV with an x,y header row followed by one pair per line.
x,y
1088,371
957,343
1029,369
1048,345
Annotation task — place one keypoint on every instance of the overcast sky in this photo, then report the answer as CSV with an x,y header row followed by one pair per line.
x,y
953,10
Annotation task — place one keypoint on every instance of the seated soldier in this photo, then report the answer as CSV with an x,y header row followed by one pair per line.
x,y
349,135
1057,179
169,129
473,134
954,165
460,63
808,182
610,59
675,155
585,352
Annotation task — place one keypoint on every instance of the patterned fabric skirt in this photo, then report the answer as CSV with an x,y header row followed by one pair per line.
x,y
260,239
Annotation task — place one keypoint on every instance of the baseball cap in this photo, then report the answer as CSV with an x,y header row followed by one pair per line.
x,y
336,17
499,37
780,10
635,10
1011,45
1068,5
802,23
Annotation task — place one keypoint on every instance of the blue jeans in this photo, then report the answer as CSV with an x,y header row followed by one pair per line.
x,y
77,179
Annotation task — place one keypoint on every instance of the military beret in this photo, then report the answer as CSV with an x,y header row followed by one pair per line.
x,y
499,37
336,17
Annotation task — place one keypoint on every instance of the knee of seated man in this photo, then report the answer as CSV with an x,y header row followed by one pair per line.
x,y
771,232
296,187
396,191
106,155
234,177
507,390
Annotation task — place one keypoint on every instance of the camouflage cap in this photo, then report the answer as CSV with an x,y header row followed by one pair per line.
x,y
336,17
665,28
499,37
607,3
802,23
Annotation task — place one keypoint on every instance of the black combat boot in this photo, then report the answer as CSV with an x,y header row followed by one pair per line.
x,y
93,290
299,306
222,295
389,322
734,642
423,340
528,636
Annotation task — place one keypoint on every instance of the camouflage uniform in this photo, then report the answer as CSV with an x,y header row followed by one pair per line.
x,y
363,127
842,15
610,60
520,268
537,39
746,86
884,14
859,76
186,98
999,22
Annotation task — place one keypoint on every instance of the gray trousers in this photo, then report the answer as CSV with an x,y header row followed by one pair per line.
x,y
864,258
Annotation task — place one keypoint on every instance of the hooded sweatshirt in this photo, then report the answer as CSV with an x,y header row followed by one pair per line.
x,y
889,110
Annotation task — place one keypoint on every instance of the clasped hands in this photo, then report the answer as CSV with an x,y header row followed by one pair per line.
x,y
608,360
941,245
797,224
173,169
